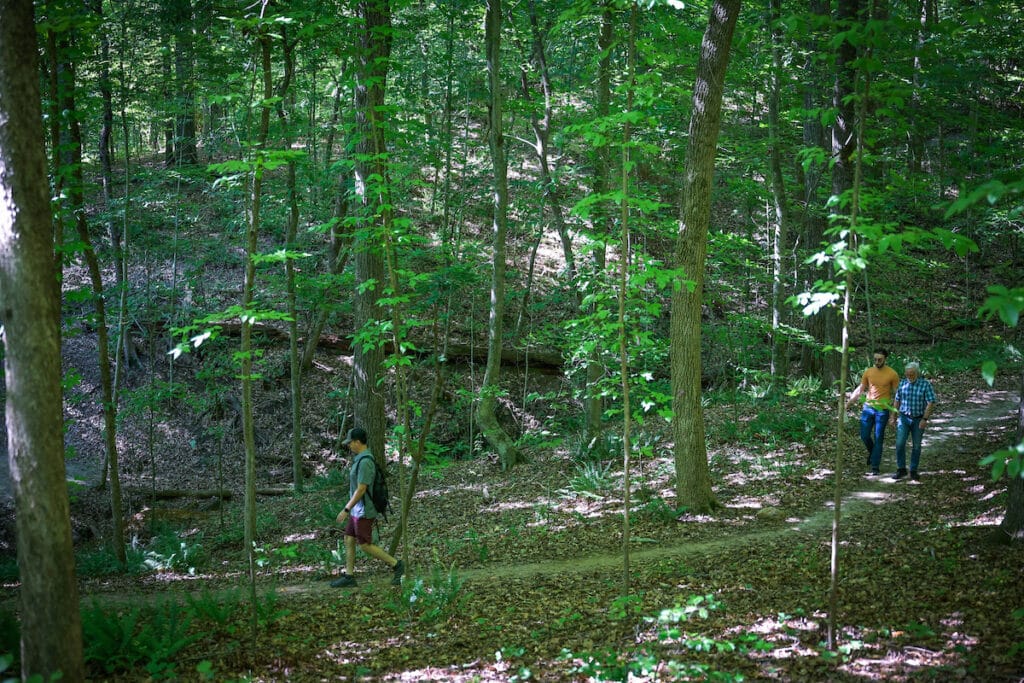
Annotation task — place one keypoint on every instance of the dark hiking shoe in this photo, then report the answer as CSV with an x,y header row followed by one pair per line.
x,y
914,475
873,473
398,571
900,474
343,581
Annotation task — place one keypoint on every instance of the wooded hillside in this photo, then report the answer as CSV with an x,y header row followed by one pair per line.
x,y
500,236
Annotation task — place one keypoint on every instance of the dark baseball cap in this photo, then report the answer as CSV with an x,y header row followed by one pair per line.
x,y
355,434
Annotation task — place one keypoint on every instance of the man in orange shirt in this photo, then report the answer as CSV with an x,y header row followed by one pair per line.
x,y
880,382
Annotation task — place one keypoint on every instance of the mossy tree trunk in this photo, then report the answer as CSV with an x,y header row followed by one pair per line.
x,y
693,479
486,412
51,629
370,175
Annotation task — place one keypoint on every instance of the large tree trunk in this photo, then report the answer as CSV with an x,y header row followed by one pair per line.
x,y
844,145
693,481
1012,525
51,629
814,214
370,172
185,149
486,412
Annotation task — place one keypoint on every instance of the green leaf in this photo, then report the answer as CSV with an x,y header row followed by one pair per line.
x,y
988,371
229,167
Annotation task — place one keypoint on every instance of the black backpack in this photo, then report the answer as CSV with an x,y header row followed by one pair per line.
x,y
378,490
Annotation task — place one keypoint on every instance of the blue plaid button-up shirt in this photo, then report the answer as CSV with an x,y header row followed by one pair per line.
x,y
915,396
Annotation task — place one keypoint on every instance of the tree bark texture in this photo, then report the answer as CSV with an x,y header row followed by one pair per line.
x,y
1013,523
185,147
693,480
370,171
486,413
814,213
51,631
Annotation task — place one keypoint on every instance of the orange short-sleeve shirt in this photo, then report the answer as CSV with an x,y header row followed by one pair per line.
x,y
881,383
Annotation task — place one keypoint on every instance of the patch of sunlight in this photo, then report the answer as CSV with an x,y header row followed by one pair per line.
x,y
473,671
448,490
991,494
172,577
736,479
983,397
750,503
511,506
699,519
993,518
350,652
874,496
300,537
785,633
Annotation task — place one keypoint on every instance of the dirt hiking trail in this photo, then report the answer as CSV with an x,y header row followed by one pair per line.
x,y
945,452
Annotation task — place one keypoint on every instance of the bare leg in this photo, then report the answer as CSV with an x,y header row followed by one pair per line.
x,y
377,552
350,555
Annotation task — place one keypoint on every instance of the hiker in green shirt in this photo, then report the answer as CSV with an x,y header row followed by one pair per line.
x,y
359,513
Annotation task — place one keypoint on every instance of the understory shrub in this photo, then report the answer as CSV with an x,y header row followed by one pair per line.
x,y
10,640
430,600
657,510
591,477
619,665
122,640
786,424
168,551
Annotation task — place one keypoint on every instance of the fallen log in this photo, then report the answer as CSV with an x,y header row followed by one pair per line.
x,y
223,494
541,360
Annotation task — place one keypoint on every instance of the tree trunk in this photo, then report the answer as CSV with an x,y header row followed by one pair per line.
x,y
814,215
71,169
917,129
167,125
286,96
693,480
624,263
486,412
51,629
185,151
1012,526
338,254
370,172
542,137
843,148
779,201
248,290
593,403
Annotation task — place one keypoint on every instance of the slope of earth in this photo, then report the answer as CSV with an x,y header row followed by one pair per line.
x,y
520,575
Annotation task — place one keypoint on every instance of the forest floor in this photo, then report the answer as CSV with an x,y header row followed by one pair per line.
x,y
521,575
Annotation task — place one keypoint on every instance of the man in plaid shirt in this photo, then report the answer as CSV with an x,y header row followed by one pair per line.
x,y
914,401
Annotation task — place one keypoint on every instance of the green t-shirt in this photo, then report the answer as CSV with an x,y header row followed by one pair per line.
x,y
365,468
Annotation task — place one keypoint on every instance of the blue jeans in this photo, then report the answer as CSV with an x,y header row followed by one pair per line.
x,y
872,432
906,428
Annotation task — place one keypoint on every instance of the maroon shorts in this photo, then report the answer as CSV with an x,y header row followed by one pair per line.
x,y
361,528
